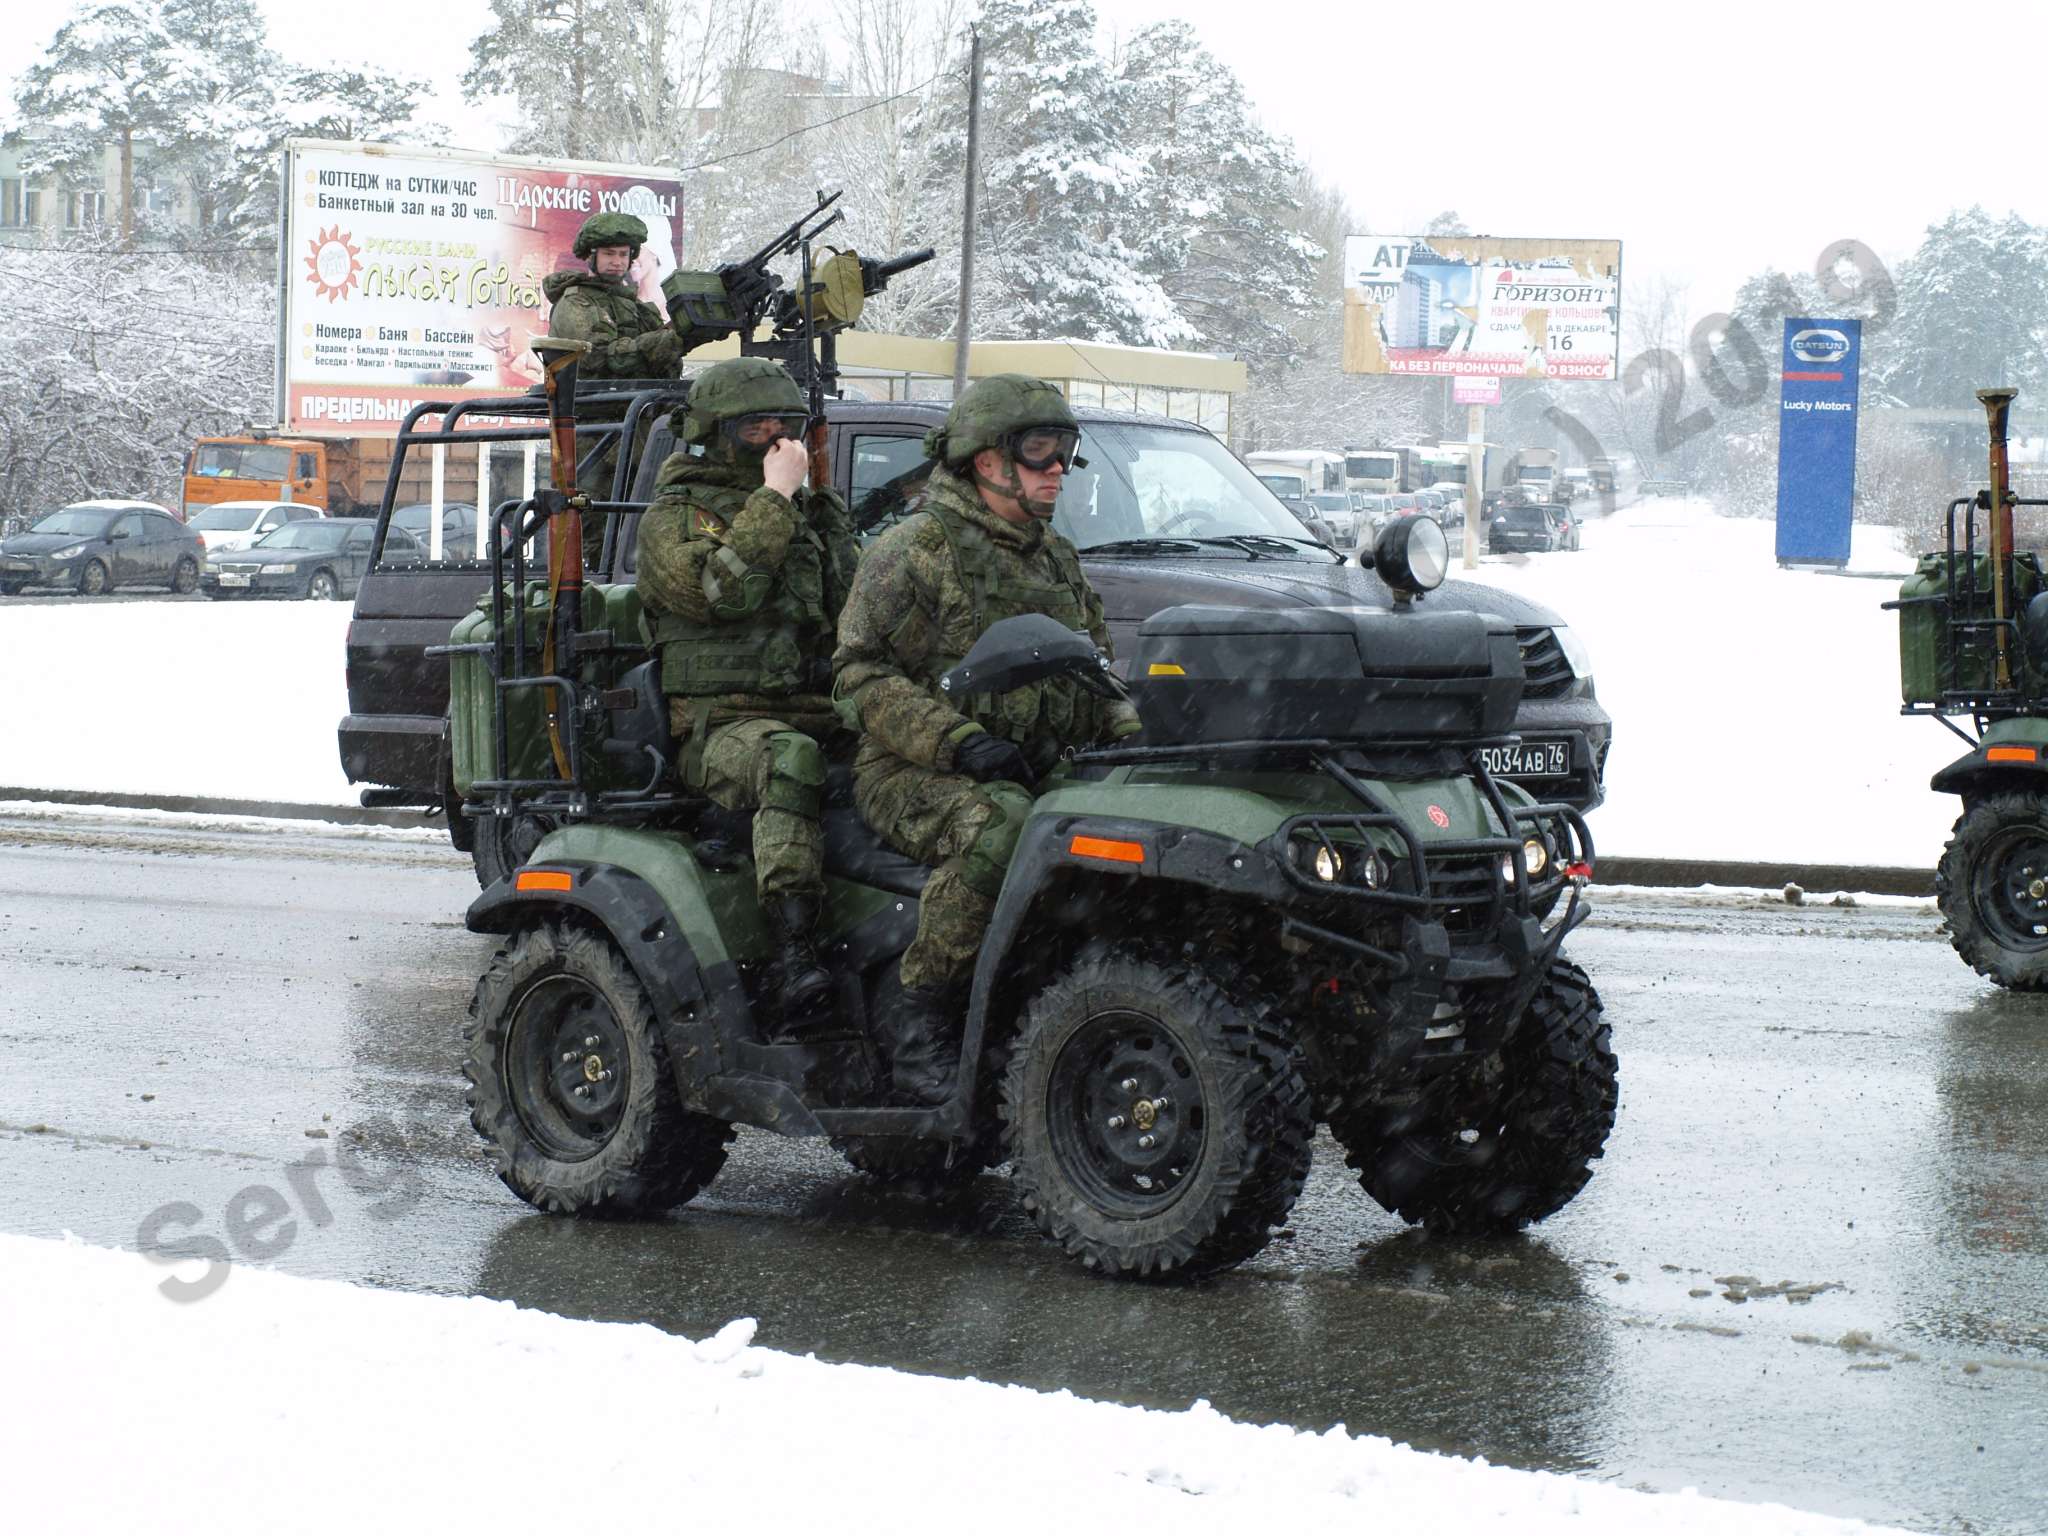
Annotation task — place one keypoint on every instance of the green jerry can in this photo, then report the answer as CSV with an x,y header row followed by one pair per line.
x,y
1927,645
471,740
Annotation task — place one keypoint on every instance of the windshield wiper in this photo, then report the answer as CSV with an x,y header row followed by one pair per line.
x,y
1147,546
1250,543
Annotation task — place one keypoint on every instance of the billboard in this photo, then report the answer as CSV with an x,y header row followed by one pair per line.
x,y
414,274
1459,306
1819,367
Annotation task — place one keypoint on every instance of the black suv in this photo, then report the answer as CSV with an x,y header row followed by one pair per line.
x,y
1162,513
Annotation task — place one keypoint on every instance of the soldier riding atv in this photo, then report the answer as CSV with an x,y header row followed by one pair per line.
x,y
1299,896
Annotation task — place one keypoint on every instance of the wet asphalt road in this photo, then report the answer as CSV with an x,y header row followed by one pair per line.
x,y
1818,1096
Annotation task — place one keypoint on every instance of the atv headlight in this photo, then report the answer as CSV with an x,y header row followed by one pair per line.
x,y
1535,856
1575,652
1328,863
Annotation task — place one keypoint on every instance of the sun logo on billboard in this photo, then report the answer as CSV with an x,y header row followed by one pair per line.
x,y
331,264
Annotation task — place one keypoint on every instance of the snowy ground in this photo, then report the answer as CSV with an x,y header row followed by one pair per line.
x,y
277,1402
1756,710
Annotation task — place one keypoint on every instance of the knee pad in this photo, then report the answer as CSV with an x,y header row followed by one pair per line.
x,y
795,776
987,858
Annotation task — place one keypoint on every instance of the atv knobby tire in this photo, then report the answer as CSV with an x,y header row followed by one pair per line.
x,y
501,844
558,1009
1996,856
1548,1121
1121,1047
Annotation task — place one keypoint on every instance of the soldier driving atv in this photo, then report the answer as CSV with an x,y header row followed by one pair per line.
x,y
743,573
948,781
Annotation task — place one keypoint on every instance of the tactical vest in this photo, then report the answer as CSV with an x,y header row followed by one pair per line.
x,y
1002,585
776,650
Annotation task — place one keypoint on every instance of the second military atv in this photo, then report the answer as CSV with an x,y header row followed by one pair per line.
x,y
1301,899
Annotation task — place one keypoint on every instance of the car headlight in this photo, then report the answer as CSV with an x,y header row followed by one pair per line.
x,y
71,553
1576,653
278,570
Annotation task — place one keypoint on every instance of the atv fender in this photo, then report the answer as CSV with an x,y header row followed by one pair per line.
x,y
2012,754
632,913
1050,843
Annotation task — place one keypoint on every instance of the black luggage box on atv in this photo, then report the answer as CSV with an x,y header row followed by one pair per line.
x,y
1202,674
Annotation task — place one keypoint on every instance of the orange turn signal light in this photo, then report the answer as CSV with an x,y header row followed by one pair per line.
x,y
543,880
2012,754
1108,849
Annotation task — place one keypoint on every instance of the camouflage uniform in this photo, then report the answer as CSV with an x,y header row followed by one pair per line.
x,y
628,339
741,587
925,592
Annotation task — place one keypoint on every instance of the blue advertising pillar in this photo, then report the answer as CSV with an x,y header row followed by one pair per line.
x,y
1817,440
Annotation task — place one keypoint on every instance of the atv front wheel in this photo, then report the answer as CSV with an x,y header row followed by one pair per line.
x,y
1158,1121
570,1085
1992,886
1502,1166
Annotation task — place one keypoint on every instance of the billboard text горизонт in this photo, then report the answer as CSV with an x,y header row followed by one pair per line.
x,y
1464,307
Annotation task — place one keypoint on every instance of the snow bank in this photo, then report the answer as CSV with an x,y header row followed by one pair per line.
x,y
282,1403
1756,710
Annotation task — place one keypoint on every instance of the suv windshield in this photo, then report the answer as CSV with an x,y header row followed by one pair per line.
x,y
1145,482
87,522
311,534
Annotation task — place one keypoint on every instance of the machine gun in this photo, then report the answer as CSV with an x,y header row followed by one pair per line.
x,y
803,324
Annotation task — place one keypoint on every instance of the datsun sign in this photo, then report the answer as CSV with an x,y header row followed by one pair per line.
x,y
1817,440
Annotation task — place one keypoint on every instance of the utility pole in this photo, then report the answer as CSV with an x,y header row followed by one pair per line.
x,y
964,332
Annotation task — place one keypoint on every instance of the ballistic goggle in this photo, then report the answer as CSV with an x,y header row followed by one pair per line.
x,y
1040,448
743,429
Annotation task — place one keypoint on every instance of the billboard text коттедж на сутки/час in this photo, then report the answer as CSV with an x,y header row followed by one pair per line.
x,y
1464,306
411,274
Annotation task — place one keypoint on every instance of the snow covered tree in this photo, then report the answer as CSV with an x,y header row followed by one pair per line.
x,y
1213,217
1056,187
1972,313
102,80
120,359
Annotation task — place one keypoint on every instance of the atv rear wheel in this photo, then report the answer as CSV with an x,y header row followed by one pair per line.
x,y
570,1086
1524,1156
1159,1122
500,844
1992,886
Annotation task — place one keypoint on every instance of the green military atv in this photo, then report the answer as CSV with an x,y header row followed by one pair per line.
x,y
1302,898
1973,644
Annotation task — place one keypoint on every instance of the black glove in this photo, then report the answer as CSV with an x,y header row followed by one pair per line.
x,y
986,758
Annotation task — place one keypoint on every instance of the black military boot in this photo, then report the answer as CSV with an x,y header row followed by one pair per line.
x,y
806,988
927,1054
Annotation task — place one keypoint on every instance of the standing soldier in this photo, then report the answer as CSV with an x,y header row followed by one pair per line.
x,y
628,339
940,785
742,574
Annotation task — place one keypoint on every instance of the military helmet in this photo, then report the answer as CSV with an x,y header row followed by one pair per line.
x,y
992,412
741,386
609,229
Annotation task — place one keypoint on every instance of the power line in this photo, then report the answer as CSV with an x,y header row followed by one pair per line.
x,y
742,154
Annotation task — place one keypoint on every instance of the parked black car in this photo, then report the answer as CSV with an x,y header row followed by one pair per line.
x,y
320,558
95,546
1163,514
